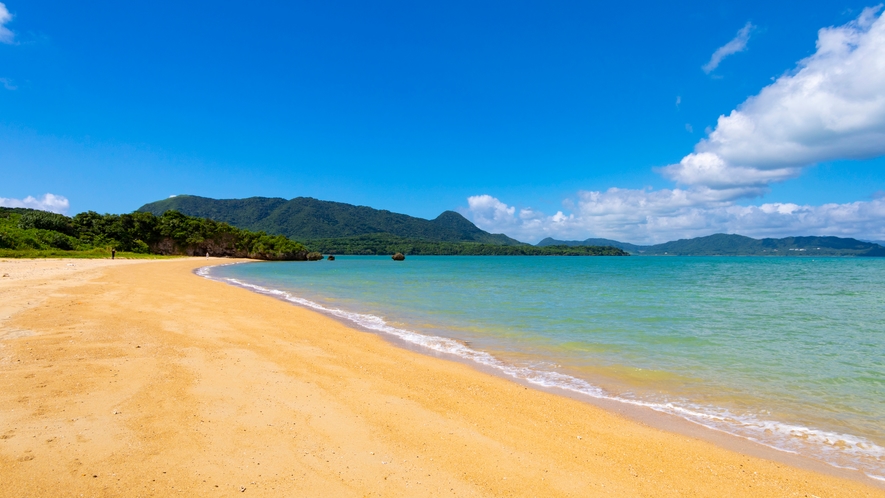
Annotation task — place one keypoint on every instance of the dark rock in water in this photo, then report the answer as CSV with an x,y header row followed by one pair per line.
x,y
314,256
398,256
331,258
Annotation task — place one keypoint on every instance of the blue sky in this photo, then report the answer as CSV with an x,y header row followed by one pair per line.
x,y
562,119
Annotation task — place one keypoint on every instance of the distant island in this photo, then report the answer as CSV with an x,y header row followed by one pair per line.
x,y
722,244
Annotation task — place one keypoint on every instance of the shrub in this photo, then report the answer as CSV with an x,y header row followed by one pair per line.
x,y
45,220
140,247
56,240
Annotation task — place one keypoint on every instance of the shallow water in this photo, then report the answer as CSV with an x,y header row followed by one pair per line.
x,y
789,352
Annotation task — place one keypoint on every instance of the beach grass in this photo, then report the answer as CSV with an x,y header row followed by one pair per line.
x,y
88,254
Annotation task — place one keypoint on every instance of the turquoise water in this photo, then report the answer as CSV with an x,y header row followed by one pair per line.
x,y
789,352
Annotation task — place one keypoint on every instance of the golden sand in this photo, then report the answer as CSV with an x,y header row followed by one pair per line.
x,y
139,378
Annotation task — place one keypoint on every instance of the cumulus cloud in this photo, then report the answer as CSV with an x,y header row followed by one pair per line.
x,y
737,44
49,202
654,216
710,170
832,106
490,211
6,36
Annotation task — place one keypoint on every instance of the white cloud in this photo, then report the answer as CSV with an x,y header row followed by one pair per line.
x,y
832,106
491,212
654,216
737,44
6,36
8,84
710,170
49,202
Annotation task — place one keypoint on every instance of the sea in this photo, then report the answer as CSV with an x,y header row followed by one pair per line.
x,y
788,352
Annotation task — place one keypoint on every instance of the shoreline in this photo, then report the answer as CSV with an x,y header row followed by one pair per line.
x,y
155,380
640,414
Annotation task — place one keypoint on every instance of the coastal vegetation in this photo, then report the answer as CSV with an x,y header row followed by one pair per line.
x,y
387,244
32,233
99,253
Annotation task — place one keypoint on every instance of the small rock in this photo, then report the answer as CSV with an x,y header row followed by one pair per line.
x,y
398,257
5,274
242,489
579,437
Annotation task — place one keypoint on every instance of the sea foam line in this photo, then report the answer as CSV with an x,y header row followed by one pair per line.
x,y
840,450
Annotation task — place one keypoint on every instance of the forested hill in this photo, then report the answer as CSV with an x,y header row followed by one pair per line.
x,y
625,246
305,218
722,244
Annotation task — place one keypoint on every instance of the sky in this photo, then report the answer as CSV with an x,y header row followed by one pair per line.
x,y
642,123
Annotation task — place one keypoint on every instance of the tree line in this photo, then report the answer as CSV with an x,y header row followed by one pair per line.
x,y
143,233
386,244
173,233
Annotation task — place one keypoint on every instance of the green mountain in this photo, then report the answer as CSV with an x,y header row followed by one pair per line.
x,y
625,246
722,244
305,218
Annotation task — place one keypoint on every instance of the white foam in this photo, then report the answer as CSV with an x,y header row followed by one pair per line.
x,y
840,450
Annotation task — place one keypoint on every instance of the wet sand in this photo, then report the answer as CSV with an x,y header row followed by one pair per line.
x,y
141,378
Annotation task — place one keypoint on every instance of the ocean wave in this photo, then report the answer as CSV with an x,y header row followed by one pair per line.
x,y
839,450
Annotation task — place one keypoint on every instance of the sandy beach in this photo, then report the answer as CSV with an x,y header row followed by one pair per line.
x,y
139,378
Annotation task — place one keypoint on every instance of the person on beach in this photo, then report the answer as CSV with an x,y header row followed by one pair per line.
x,y
113,253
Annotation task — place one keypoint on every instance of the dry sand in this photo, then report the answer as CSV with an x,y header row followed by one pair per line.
x,y
139,378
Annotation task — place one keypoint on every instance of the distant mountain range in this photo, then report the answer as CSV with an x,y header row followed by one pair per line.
x,y
336,226
722,244
305,218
